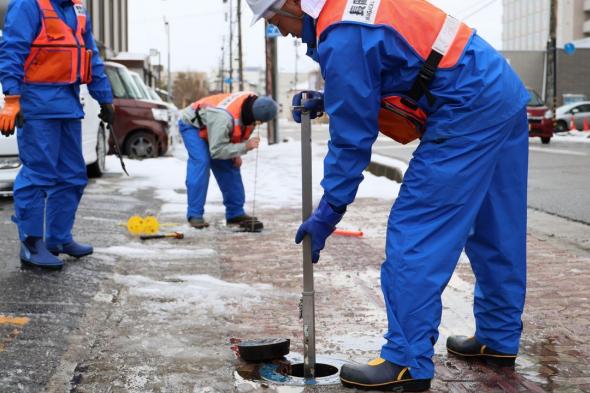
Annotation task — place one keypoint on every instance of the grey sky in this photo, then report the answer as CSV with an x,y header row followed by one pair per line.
x,y
198,28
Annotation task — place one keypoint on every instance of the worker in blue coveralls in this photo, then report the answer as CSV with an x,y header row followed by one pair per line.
x,y
47,51
403,66
217,132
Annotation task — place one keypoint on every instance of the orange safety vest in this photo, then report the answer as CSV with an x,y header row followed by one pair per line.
x,y
58,54
439,39
232,104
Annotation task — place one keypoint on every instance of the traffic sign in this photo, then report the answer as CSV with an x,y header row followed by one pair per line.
x,y
272,31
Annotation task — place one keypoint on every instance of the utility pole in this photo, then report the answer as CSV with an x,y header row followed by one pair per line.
x,y
272,81
552,61
167,25
240,52
231,49
221,70
296,80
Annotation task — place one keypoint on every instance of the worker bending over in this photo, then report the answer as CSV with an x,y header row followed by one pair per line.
x,y
46,53
216,132
407,69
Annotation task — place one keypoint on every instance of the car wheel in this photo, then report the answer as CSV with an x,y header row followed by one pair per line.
x,y
141,144
546,140
98,168
562,126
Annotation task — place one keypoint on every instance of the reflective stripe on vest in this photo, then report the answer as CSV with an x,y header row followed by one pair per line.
x,y
418,22
232,104
58,54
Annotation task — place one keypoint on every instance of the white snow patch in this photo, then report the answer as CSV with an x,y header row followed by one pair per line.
x,y
207,292
154,252
278,178
573,136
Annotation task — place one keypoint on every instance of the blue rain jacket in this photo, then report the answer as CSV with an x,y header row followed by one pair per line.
x,y
22,26
363,63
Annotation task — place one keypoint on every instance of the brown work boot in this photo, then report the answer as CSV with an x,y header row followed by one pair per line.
x,y
198,223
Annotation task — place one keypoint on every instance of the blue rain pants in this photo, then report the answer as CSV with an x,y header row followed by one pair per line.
x,y
50,184
467,192
198,170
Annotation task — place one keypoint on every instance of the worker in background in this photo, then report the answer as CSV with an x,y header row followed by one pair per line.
x,y
46,53
407,69
217,132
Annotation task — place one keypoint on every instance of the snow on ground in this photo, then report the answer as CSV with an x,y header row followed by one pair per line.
x,y
573,136
277,174
186,291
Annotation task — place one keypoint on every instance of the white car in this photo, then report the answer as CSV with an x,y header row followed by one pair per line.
x,y
94,145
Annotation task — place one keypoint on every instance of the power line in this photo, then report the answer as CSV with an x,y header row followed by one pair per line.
x,y
483,7
468,8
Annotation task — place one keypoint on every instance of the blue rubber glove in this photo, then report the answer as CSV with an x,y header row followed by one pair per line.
x,y
319,226
314,104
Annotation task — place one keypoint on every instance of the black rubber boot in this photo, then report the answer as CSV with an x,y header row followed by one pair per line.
x,y
246,223
240,219
198,223
382,375
470,348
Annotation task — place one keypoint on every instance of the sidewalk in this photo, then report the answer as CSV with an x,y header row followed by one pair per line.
x,y
161,314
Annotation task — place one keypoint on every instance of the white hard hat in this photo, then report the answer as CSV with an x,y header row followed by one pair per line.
x,y
260,7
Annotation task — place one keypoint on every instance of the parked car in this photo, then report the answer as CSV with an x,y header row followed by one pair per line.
x,y
539,125
150,94
579,110
141,125
94,145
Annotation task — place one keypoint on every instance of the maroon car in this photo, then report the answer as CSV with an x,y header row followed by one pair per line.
x,y
539,125
141,126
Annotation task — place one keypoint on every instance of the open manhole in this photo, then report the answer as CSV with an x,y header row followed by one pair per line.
x,y
289,371
321,370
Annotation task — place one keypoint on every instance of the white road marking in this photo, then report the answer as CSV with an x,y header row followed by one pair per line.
x,y
558,151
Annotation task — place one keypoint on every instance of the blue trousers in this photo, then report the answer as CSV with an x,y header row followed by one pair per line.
x,y
462,193
198,170
50,184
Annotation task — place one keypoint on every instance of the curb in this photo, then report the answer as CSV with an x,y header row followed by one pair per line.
x,y
392,169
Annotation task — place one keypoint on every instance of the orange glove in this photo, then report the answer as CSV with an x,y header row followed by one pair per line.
x,y
9,115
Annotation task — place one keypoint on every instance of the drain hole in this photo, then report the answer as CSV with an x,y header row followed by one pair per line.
x,y
321,370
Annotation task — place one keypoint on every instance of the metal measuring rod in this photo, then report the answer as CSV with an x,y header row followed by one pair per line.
x,y
308,300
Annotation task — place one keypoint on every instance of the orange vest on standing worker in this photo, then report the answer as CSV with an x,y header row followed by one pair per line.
x,y
58,54
232,104
439,39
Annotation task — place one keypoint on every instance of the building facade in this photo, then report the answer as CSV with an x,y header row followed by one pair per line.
x,y
526,23
109,25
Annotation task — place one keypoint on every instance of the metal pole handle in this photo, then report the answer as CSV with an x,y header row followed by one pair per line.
x,y
309,353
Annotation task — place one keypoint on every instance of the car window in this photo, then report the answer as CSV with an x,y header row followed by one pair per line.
x,y
117,85
155,96
142,87
584,108
535,99
129,84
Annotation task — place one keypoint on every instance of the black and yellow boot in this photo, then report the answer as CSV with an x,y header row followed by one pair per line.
x,y
382,375
470,348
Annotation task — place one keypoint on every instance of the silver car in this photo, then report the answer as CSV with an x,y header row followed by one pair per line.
x,y
580,112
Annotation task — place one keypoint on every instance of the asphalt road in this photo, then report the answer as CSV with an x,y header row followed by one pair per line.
x,y
559,175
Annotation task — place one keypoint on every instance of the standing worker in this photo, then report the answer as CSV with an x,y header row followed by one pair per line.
x,y
216,132
46,53
406,68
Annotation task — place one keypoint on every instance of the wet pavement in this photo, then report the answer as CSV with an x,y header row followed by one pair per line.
x,y
159,316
